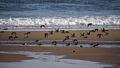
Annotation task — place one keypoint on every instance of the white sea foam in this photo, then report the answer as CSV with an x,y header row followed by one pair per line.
x,y
97,20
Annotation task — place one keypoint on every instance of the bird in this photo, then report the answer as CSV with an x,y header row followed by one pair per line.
x,y
73,51
103,30
62,31
73,35
54,42
88,33
66,38
81,46
95,45
57,30
89,24
36,40
13,33
67,44
42,26
96,30
51,32
99,35
67,32
45,35
10,37
82,34
75,40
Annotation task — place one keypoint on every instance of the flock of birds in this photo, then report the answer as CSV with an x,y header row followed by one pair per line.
x,y
13,35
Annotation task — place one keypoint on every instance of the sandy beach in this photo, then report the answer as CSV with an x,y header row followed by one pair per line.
x,y
99,54
110,35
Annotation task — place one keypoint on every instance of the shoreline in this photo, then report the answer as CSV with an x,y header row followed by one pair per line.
x,y
103,55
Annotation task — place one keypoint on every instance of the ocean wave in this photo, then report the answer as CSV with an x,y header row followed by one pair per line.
x,y
96,20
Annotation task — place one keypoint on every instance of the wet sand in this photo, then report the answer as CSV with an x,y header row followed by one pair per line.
x,y
104,55
13,57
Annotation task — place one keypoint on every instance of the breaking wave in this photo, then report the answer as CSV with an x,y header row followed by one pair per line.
x,y
96,20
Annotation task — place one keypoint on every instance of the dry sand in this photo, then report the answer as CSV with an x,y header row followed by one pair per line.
x,y
113,35
104,55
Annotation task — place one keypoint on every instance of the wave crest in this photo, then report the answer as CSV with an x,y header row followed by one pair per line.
x,y
96,20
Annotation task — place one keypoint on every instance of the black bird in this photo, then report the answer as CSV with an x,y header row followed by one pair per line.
x,y
73,35
81,46
42,26
10,37
82,34
51,33
67,32
99,35
96,29
85,37
75,40
89,24
54,42
73,51
67,44
45,35
76,43
104,30
88,33
36,40
62,31
66,38
95,45
13,33
92,30
57,30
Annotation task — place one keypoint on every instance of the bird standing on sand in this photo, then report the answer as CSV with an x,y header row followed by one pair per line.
x,y
46,35
66,38
73,35
99,35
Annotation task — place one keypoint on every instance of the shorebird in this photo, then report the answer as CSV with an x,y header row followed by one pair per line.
x,y
89,24
57,30
88,33
10,37
81,46
54,42
73,35
67,32
45,35
76,43
62,31
85,37
73,51
95,45
26,34
66,38
104,30
36,40
67,44
96,30
13,33
75,40
42,26
99,35
51,32
82,34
